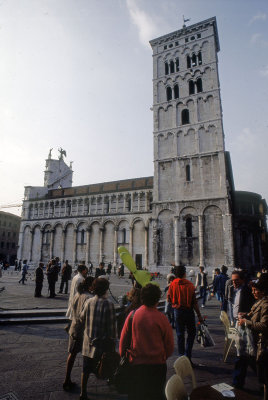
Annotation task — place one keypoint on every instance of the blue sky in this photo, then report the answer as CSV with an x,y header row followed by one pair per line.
x,y
77,74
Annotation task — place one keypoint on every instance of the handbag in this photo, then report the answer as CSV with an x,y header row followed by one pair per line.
x,y
122,376
203,336
107,365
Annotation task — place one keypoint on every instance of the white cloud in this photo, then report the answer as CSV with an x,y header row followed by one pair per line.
x,y
146,26
264,71
258,17
255,38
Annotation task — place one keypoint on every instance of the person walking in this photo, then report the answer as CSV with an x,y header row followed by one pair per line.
x,y
98,317
181,294
100,270
66,276
24,272
76,329
220,282
202,284
39,277
151,344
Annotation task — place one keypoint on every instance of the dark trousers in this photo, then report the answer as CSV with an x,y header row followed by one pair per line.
x,y
185,320
148,382
38,289
51,287
62,285
240,369
23,278
203,294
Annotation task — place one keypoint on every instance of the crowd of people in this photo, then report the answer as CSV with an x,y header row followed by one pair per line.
x,y
145,333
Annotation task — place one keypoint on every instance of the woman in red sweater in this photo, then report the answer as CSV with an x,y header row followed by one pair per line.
x,y
151,344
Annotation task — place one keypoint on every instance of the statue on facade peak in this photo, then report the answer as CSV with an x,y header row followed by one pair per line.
x,y
49,154
62,153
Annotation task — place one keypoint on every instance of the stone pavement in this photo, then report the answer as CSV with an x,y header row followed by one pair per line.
x,y
33,357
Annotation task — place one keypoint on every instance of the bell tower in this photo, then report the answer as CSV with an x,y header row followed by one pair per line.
x,y
191,182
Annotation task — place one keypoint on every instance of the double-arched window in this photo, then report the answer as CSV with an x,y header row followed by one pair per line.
x,y
195,87
175,92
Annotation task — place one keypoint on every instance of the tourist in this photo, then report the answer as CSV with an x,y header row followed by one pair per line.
x,y
52,277
202,284
39,277
78,278
215,290
169,310
76,329
181,294
220,281
100,270
257,321
133,303
24,272
109,268
98,317
66,276
152,343
90,268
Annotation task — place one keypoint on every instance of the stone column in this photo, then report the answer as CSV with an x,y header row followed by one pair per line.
x,y
88,245
63,235
228,240
117,200
130,240
74,246
176,241
115,243
132,202
101,244
201,240
124,206
146,253
51,244
139,201
155,242
147,199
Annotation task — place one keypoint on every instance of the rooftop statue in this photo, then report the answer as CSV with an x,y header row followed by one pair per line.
x,y
62,153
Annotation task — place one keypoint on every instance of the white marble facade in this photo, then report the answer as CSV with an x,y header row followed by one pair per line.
x,y
183,213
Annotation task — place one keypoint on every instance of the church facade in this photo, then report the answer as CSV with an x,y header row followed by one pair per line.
x,y
185,213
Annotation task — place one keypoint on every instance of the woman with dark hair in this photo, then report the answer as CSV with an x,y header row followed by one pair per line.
x,y
257,321
99,320
76,329
151,344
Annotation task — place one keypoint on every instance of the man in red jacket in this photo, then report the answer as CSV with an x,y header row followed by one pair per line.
x,y
181,295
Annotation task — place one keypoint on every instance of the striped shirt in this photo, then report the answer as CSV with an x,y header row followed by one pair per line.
x,y
99,320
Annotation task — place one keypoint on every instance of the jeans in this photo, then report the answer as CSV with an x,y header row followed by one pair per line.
x,y
203,294
185,320
64,281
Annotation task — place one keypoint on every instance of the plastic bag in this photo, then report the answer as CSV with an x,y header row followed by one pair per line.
x,y
203,336
244,342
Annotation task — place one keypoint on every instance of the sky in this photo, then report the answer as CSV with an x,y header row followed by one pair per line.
x,y
77,74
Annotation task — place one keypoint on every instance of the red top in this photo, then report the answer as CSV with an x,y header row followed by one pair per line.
x,y
152,337
181,293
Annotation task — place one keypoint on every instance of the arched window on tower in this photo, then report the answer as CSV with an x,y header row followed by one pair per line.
x,y
82,236
169,93
191,87
188,62
188,173
171,66
177,65
166,68
176,91
194,61
199,58
185,117
189,227
199,86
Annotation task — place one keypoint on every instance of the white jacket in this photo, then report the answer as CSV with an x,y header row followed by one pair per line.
x,y
74,285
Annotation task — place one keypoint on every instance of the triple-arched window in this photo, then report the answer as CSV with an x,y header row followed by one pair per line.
x,y
194,60
172,66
